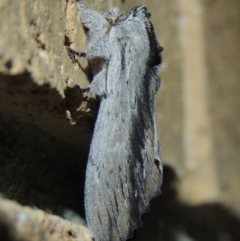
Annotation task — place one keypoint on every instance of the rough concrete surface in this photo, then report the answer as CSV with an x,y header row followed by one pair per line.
x,y
23,223
36,70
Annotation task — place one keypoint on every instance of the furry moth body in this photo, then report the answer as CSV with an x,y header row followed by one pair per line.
x,y
124,170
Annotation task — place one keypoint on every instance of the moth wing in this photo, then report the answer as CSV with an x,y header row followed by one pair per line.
x,y
123,174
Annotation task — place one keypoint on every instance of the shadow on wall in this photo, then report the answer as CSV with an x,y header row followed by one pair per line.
x,y
171,220
37,168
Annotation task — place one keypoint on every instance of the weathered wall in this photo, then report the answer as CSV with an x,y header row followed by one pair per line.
x,y
46,125
222,30
200,95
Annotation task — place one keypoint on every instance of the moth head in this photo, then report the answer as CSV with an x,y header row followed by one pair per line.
x,y
139,12
138,20
112,15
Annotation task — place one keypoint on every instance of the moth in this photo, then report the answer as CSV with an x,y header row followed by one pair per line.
x,y
124,170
